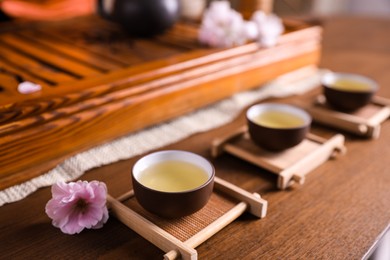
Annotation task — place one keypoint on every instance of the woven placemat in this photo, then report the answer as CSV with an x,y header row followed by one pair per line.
x,y
158,136
186,227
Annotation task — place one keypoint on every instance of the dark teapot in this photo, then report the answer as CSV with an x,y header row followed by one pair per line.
x,y
142,18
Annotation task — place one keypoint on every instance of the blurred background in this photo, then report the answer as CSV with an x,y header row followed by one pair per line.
x,y
377,8
57,9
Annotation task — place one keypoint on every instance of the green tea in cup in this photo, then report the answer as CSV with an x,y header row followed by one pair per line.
x,y
173,183
350,85
173,176
348,92
277,127
278,119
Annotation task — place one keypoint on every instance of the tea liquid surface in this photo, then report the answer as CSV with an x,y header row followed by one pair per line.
x,y
173,176
278,119
350,85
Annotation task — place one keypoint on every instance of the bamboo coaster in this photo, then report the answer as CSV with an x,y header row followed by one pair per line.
x,y
364,122
179,237
291,165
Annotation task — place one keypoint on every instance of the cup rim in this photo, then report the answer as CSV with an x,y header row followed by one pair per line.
x,y
256,109
165,155
328,78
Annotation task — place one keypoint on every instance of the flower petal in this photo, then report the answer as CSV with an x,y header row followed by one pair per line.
x,y
91,217
222,26
27,87
60,190
269,27
103,220
78,205
72,226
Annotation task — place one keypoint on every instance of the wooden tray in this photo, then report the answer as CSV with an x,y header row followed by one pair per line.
x,y
291,165
364,122
93,75
179,237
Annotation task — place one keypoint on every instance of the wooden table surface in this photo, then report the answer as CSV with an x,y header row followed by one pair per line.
x,y
339,213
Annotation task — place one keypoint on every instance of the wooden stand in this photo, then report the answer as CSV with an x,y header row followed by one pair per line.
x,y
179,237
291,165
364,122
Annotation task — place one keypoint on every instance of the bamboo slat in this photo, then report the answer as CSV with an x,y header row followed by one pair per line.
x,y
179,237
365,122
291,165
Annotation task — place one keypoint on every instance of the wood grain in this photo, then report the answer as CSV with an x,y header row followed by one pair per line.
x,y
48,56
137,96
340,212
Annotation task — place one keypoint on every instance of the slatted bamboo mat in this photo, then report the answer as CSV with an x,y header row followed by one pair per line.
x,y
186,227
365,121
59,56
291,165
180,237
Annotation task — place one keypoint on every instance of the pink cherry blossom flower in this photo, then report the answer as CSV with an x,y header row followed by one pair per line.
x,y
27,87
222,26
269,28
78,205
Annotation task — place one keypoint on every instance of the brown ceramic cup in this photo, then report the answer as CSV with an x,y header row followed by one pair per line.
x,y
348,92
277,127
172,204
